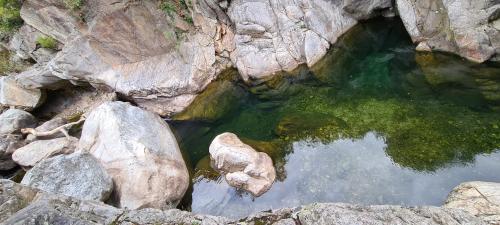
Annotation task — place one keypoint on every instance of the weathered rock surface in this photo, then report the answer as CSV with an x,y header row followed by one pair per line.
x,y
242,166
469,29
51,18
271,36
129,48
140,152
13,120
481,199
24,43
29,155
12,94
24,205
76,175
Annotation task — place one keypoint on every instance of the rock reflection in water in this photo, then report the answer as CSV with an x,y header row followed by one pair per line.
x,y
345,170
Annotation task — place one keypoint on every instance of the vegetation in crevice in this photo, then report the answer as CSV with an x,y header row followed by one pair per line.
x,y
182,8
10,18
73,4
47,42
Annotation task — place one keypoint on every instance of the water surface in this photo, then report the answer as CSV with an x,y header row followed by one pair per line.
x,y
372,123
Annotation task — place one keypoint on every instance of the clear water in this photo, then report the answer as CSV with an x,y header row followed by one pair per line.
x,y
373,123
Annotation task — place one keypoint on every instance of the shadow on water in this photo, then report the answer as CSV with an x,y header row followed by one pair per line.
x,y
372,123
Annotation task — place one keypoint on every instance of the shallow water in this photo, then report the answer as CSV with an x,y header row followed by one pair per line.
x,y
372,123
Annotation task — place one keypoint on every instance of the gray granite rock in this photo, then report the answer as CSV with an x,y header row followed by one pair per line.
x,y
76,175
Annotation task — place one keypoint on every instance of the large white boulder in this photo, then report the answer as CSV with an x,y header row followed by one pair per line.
x,y
140,152
242,166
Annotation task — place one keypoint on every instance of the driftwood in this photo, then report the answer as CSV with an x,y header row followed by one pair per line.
x,y
63,129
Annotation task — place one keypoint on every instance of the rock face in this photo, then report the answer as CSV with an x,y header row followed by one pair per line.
x,y
140,152
128,48
131,48
29,155
481,199
242,166
271,36
12,94
76,175
24,205
469,29
13,120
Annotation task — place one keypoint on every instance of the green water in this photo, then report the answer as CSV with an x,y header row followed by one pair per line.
x,y
372,123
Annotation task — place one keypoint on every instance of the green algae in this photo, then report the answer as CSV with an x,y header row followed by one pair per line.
x,y
432,110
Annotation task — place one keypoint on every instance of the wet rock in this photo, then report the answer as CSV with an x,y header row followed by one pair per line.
x,y
481,199
76,175
461,27
217,100
48,126
12,94
242,166
140,152
29,155
13,120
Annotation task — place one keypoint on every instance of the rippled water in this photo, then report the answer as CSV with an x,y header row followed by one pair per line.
x,y
372,123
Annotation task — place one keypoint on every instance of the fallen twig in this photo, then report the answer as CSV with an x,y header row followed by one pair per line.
x,y
63,129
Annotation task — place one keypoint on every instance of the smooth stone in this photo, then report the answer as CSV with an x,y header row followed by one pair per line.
x,y
76,175
29,155
140,152
242,166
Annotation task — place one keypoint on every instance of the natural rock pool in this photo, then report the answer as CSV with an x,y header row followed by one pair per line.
x,y
373,123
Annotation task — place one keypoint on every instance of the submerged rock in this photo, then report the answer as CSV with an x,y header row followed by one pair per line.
x,y
481,199
76,175
242,166
12,94
469,29
29,155
218,99
140,152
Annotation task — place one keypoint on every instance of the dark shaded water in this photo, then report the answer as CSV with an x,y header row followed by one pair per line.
x,y
373,123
